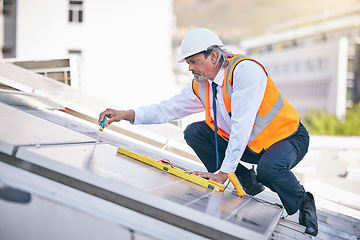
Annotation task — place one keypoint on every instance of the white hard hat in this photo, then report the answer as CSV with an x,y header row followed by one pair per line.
x,y
196,41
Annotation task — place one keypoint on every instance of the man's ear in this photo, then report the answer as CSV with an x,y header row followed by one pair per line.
x,y
213,56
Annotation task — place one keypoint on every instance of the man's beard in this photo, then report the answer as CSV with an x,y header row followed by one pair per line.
x,y
199,77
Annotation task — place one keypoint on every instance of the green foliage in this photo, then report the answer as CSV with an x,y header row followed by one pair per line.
x,y
320,123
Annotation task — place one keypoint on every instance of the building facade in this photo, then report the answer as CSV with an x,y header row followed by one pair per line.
x,y
314,61
120,50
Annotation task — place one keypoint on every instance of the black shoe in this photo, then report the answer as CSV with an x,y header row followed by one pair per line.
x,y
308,217
250,183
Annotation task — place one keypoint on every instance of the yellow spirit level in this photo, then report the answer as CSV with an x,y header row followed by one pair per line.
x,y
166,167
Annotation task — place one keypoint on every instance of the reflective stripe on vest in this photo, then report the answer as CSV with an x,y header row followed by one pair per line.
x,y
262,122
274,110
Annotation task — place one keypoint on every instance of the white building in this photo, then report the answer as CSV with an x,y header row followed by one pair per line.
x,y
121,49
314,61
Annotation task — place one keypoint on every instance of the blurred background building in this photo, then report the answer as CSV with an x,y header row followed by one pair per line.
x,y
114,50
314,60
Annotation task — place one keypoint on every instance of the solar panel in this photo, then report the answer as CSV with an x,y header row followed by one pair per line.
x,y
51,149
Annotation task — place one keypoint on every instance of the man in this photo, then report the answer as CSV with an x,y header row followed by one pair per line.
x,y
253,123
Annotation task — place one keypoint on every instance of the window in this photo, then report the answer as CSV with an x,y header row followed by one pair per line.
x,y
58,69
8,7
75,52
76,11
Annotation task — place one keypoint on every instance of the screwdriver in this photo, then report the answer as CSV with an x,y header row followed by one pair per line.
x,y
88,163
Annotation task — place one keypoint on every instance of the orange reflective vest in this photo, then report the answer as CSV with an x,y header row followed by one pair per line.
x,y
276,119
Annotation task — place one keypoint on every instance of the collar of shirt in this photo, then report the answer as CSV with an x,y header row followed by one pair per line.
x,y
222,116
220,77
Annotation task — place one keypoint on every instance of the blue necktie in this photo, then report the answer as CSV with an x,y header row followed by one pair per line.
x,y
214,85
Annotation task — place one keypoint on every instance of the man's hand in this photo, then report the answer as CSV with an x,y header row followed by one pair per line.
x,y
219,177
116,115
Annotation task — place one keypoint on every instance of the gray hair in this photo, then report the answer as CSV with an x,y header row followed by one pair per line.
x,y
223,54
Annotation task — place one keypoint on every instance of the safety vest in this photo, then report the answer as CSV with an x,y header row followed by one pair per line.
x,y
275,120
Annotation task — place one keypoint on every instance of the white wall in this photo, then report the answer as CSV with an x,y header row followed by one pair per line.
x,y
41,28
125,45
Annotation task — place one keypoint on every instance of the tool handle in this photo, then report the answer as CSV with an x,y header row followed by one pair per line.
x,y
102,125
234,180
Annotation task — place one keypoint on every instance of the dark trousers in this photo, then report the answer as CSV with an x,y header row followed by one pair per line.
x,y
273,165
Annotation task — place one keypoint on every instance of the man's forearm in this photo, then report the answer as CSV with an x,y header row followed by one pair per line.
x,y
129,115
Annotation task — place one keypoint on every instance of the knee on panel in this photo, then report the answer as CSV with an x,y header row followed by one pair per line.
x,y
192,130
189,131
267,172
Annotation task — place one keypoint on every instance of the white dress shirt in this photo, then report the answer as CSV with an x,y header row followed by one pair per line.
x,y
249,83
